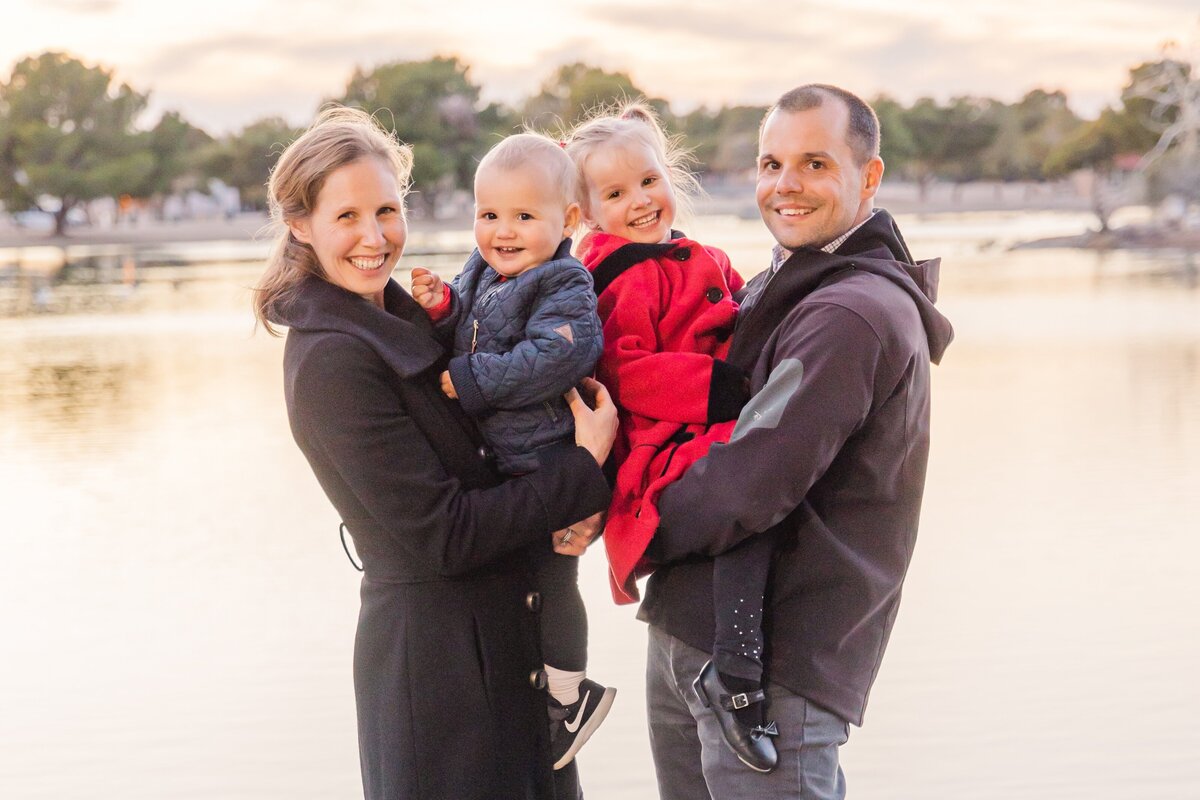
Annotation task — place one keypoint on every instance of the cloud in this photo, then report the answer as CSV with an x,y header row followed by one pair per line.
x,y
83,6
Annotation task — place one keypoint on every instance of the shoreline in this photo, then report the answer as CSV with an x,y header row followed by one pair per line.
x,y
726,198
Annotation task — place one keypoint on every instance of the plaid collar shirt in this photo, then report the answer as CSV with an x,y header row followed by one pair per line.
x,y
780,255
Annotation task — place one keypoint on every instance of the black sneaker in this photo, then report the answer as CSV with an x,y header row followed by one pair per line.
x,y
571,726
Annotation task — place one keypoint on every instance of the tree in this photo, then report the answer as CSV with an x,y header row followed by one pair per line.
x,y
175,145
1027,132
576,89
67,136
1164,96
433,106
1098,145
947,140
896,146
244,160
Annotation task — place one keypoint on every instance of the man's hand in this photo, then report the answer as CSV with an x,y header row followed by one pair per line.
x,y
448,386
428,289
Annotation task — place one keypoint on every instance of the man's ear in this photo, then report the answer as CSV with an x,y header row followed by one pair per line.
x,y
301,229
571,219
872,175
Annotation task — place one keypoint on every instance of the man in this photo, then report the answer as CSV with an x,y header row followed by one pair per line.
x,y
828,459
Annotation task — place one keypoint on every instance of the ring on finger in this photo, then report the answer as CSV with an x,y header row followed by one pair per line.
x,y
567,537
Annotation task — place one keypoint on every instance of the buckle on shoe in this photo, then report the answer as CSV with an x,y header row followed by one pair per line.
x,y
740,700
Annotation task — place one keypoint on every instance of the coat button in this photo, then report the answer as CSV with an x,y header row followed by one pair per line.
x,y
681,253
713,294
533,601
485,453
537,679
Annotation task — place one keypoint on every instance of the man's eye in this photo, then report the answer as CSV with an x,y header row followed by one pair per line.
x,y
816,164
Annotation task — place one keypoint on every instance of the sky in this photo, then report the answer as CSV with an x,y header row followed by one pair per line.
x,y
226,63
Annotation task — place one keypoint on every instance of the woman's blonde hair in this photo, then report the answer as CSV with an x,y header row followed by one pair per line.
x,y
636,121
339,136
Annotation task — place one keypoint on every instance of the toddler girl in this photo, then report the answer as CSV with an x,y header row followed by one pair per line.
x,y
667,307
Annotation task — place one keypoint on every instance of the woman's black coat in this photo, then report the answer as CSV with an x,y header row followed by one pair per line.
x,y
447,642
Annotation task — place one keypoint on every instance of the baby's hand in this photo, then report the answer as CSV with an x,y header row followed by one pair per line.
x,y
448,386
427,289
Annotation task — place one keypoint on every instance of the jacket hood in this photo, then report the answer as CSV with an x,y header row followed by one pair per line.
x,y
877,247
400,332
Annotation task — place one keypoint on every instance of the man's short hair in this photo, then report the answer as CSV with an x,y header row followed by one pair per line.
x,y
862,131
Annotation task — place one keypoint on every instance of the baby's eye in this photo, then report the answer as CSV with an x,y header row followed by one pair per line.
x,y
614,194
488,215
649,180
525,216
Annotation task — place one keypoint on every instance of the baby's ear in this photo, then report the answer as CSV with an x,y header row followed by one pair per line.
x,y
572,219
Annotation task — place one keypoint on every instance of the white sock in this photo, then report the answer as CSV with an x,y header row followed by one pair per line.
x,y
562,685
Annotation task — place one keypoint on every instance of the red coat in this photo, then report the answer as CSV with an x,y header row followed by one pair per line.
x,y
667,313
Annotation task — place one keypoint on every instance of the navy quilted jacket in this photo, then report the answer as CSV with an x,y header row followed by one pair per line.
x,y
520,344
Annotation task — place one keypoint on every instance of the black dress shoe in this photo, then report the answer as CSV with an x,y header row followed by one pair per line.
x,y
751,744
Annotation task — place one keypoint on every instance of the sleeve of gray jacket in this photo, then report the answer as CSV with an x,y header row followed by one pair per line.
x,y
562,343
821,388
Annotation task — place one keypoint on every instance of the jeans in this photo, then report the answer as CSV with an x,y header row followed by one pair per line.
x,y
691,759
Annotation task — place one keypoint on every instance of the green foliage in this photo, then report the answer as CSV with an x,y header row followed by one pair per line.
x,y
1028,131
433,106
67,135
1097,144
576,89
723,141
244,160
947,140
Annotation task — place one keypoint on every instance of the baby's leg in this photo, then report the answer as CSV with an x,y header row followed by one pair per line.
x,y
564,626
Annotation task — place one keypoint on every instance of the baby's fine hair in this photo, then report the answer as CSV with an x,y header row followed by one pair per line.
x,y
529,149
636,121
339,136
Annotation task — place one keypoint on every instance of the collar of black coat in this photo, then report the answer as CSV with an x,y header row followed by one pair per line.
x,y
400,332
877,247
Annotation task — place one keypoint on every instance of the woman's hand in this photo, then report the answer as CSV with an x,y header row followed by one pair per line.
x,y
574,539
595,418
447,385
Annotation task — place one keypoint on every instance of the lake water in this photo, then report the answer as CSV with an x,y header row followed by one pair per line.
x,y
176,613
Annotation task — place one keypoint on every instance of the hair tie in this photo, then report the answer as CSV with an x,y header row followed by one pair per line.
x,y
562,143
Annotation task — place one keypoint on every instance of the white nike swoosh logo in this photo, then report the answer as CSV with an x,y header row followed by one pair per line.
x,y
573,725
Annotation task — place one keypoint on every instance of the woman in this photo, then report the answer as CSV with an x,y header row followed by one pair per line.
x,y
447,669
